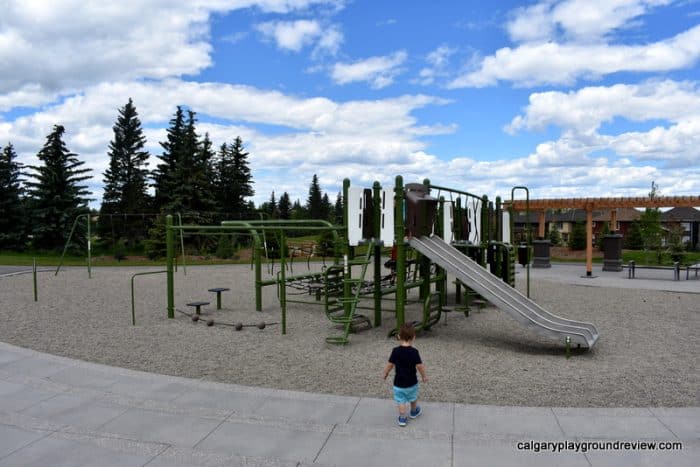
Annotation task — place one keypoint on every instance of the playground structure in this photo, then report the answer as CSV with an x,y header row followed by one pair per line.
x,y
430,237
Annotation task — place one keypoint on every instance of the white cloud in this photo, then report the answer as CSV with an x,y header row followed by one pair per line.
x,y
586,109
582,114
586,51
438,60
295,35
46,51
580,20
378,71
291,35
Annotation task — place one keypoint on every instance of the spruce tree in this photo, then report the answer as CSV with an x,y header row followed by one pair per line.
x,y
326,207
126,179
271,207
284,206
314,203
233,180
338,209
242,178
56,197
164,174
12,213
577,241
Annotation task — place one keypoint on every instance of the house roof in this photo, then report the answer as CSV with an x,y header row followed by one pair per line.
x,y
623,215
681,214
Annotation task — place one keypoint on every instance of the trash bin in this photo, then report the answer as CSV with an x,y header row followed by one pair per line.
x,y
541,256
612,252
523,254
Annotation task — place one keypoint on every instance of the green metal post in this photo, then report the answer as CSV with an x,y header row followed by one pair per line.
x,y
133,306
169,248
89,245
377,194
257,257
347,253
499,220
283,284
36,295
65,247
400,233
182,245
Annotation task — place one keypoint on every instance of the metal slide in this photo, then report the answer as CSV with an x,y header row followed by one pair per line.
x,y
505,297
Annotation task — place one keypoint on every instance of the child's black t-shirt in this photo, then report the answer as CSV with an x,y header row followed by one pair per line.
x,y
405,360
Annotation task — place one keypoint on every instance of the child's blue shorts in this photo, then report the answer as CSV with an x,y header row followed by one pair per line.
x,y
406,395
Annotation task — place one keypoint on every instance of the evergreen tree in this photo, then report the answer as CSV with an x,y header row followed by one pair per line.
x,y
326,207
56,196
164,175
298,211
651,230
338,209
601,235
555,235
633,237
183,181
314,203
578,237
243,179
12,220
284,206
271,207
233,180
125,180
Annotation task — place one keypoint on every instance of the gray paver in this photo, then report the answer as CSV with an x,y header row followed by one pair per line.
x,y
612,424
231,401
13,438
383,413
85,377
77,411
15,397
58,452
34,367
152,426
140,388
266,440
309,410
687,457
503,451
507,420
370,449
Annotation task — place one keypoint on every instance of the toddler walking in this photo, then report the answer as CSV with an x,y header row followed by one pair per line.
x,y
405,359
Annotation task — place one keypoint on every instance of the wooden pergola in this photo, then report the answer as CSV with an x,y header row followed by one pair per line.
x,y
591,204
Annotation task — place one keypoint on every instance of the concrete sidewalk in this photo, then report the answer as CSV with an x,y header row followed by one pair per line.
x,y
62,412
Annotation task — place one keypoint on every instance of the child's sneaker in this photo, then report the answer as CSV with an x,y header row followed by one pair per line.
x,y
402,421
417,412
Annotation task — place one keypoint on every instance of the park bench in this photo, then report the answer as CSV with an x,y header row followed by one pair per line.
x,y
676,268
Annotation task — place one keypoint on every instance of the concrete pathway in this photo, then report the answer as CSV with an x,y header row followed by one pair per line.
x,y
61,412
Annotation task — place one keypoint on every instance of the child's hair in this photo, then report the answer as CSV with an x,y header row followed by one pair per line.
x,y
407,332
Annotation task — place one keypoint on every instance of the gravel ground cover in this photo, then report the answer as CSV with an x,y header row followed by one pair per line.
x,y
647,354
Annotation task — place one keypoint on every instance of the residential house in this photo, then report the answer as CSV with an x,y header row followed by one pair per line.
x,y
688,219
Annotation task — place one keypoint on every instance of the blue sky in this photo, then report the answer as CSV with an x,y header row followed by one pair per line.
x,y
571,98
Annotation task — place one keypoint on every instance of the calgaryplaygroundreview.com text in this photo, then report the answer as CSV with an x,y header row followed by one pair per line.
x,y
586,446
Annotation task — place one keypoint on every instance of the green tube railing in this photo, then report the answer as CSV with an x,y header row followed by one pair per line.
x,y
133,306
